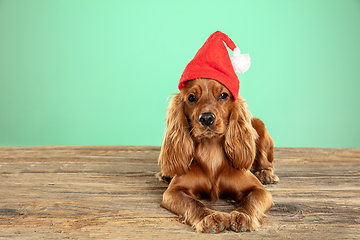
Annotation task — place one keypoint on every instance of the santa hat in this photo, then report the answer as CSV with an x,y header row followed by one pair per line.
x,y
212,61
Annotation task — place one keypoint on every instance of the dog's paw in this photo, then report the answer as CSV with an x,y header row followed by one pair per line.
x,y
214,223
242,222
163,178
267,177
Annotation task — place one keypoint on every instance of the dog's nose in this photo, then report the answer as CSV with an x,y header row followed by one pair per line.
x,y
207,119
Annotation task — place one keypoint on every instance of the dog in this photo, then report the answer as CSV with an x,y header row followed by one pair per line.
x,y
213,149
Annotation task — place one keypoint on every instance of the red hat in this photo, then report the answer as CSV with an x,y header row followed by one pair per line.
x,y
213,61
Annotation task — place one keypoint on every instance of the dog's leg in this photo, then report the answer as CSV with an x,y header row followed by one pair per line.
x,y
249,214
263,164
263,167
252,204
182,201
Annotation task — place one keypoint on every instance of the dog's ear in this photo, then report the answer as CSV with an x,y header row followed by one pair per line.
x,y
178,148
240,137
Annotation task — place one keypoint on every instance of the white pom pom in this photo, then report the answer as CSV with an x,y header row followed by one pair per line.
x,y
241,62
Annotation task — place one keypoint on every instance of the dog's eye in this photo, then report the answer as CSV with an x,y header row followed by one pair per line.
x,y
192,98
223,96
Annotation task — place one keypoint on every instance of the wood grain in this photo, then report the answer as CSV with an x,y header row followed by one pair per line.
x,y
111,192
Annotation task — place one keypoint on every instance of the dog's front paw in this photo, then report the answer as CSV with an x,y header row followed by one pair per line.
x,y
242,222
214,223
267,176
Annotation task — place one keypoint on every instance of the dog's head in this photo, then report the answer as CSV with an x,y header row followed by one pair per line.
x,y
207,107
204,108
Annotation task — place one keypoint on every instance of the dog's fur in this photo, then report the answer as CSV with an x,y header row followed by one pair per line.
x,y
224,159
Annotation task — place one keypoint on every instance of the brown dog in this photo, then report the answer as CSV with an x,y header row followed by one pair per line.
x,y
209,147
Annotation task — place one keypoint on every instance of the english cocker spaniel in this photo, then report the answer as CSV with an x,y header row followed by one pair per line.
x,y
213,149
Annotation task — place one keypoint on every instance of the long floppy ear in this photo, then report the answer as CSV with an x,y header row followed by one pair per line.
x,y
240,137
178,148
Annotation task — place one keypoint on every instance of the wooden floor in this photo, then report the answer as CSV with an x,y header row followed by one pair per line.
x,y
111,192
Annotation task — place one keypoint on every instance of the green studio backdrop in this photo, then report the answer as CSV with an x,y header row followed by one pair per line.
x,y
89,72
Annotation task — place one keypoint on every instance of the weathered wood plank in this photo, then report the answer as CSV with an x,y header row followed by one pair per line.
x,y
111,192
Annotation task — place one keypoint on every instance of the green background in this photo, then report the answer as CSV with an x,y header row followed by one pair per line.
x,y
100,72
